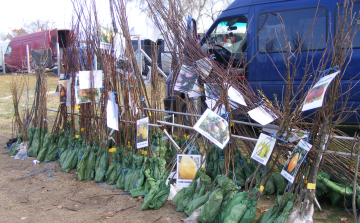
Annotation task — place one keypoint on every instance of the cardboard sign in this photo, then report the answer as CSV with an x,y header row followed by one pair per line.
x,y
142,133
295,160
263,149
187,166
315,98
214,128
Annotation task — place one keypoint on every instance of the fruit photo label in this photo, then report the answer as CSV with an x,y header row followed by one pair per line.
x,y
63,90
187,166
315,98
295,160
142,133
214,128
85,79
263,149
186,80
260,115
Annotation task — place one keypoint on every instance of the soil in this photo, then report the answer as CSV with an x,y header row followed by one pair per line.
x,y
51,195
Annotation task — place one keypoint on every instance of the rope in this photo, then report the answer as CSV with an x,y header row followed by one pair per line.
x,y
327,70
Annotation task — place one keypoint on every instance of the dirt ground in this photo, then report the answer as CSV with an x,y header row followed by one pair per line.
x,y
38,198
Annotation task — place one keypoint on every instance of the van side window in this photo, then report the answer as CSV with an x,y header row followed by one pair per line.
x,y
356,11
298,29
8,50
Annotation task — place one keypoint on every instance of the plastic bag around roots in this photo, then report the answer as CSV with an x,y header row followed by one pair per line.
x,y
22,151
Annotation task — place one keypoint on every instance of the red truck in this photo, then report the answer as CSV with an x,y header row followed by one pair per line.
x,y
15,55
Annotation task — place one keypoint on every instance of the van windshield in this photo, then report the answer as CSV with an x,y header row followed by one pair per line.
x,y
228,33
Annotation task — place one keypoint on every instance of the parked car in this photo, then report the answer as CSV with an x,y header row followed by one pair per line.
x,y
15,55
255,21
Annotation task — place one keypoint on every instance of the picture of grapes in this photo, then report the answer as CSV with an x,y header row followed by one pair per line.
x,y
186,79
316,93
294,161
216,127
142,132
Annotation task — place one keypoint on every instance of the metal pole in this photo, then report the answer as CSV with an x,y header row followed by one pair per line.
x,y
3,60
140,55
28,59
354,185
58,58
158,68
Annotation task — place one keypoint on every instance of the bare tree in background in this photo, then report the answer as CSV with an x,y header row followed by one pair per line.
x,y
214,8
195,8
28,28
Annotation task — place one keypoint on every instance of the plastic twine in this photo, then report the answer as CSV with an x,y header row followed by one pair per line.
x,y
327,70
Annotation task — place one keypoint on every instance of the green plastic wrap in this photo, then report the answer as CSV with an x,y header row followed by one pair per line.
x,y
102,167
13,148
112,173
236,213
269,187
226,200
250,213
160,198
48,140
187,197
148,198
264,218
211,208
235,201
282,218
70,161
81,167
30,135
63,156
52,152
177,198
35,146
196,203
90,165
279,182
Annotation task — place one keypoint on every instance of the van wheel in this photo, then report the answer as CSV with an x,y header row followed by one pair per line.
x,y
184,108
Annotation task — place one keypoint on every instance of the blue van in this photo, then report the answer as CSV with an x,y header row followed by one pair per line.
x,y
246,30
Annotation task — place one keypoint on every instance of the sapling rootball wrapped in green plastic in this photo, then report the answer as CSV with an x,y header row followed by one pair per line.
x,y
211,208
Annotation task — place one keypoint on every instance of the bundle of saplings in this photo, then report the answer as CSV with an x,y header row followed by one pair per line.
x,y
47,142
30,135
115,168
59,146
340,194
151,174
127,160
13,148
102,162
69,156
158,194
36,142
136,176
285,207
90,163
81,167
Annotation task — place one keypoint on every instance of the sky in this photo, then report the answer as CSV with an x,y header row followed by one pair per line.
x,y
14,13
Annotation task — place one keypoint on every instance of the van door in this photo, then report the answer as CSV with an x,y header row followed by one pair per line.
x,y
298,17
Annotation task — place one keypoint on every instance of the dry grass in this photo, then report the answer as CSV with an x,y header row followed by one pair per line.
x,y
6,104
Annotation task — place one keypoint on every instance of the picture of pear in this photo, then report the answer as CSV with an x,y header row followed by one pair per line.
x,y
187,168
144,133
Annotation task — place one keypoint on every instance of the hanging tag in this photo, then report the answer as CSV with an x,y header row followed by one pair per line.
x,y
111,150
82,129
76,136
143,152
77,107
311,186
261,188
150,114
128,143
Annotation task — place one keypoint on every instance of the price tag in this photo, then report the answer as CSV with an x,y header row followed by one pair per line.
x,y
77,136
201,89
77,107
261,188
311,186
111,150
144,152
82,129
128,143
